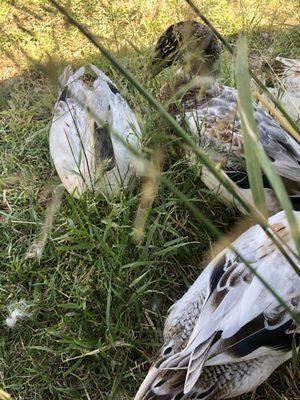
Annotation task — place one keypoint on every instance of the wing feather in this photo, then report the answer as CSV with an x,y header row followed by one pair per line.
x,y
214,121
250,319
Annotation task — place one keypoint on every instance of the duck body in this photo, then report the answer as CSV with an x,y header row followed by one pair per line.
x,y
209,111
85,151
228,333
215,124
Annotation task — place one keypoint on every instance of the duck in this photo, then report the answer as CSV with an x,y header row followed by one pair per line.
x,y
228,332
86,153
284,83
190,43
211,115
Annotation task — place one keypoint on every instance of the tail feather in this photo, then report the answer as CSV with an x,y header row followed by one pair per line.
x,y
147,382
196,363
101,74
64,77
169,385
162,385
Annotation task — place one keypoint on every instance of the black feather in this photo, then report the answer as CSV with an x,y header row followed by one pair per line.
x,y
113,88
254,335
242,180
63,94
104,146
217,273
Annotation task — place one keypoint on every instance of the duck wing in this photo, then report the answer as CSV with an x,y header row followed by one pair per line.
x,y
215,124
181,320
229,318
241,319
71,136
124,131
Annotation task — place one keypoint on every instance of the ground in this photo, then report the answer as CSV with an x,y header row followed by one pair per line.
x,y
98,298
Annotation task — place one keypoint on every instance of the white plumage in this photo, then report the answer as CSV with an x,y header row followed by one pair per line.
x,y
86,151
228,333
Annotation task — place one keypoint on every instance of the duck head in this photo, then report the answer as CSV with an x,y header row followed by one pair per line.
x,y
190,44
160,381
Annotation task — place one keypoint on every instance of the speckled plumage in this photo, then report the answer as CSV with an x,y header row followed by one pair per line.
x,y
86,153
215,124
228,333
209,111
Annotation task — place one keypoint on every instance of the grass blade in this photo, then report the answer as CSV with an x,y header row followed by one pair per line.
x,y
4,395
247,118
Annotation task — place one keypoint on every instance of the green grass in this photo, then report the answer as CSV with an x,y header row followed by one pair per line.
x,y
98,299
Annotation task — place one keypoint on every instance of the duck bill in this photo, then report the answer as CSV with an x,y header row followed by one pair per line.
x,y
104,147
159,64
151,376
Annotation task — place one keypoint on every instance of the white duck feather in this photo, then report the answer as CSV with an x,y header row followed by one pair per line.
x,y
83,138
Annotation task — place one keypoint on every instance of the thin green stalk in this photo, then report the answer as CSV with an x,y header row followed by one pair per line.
x,y
191,142
247,118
